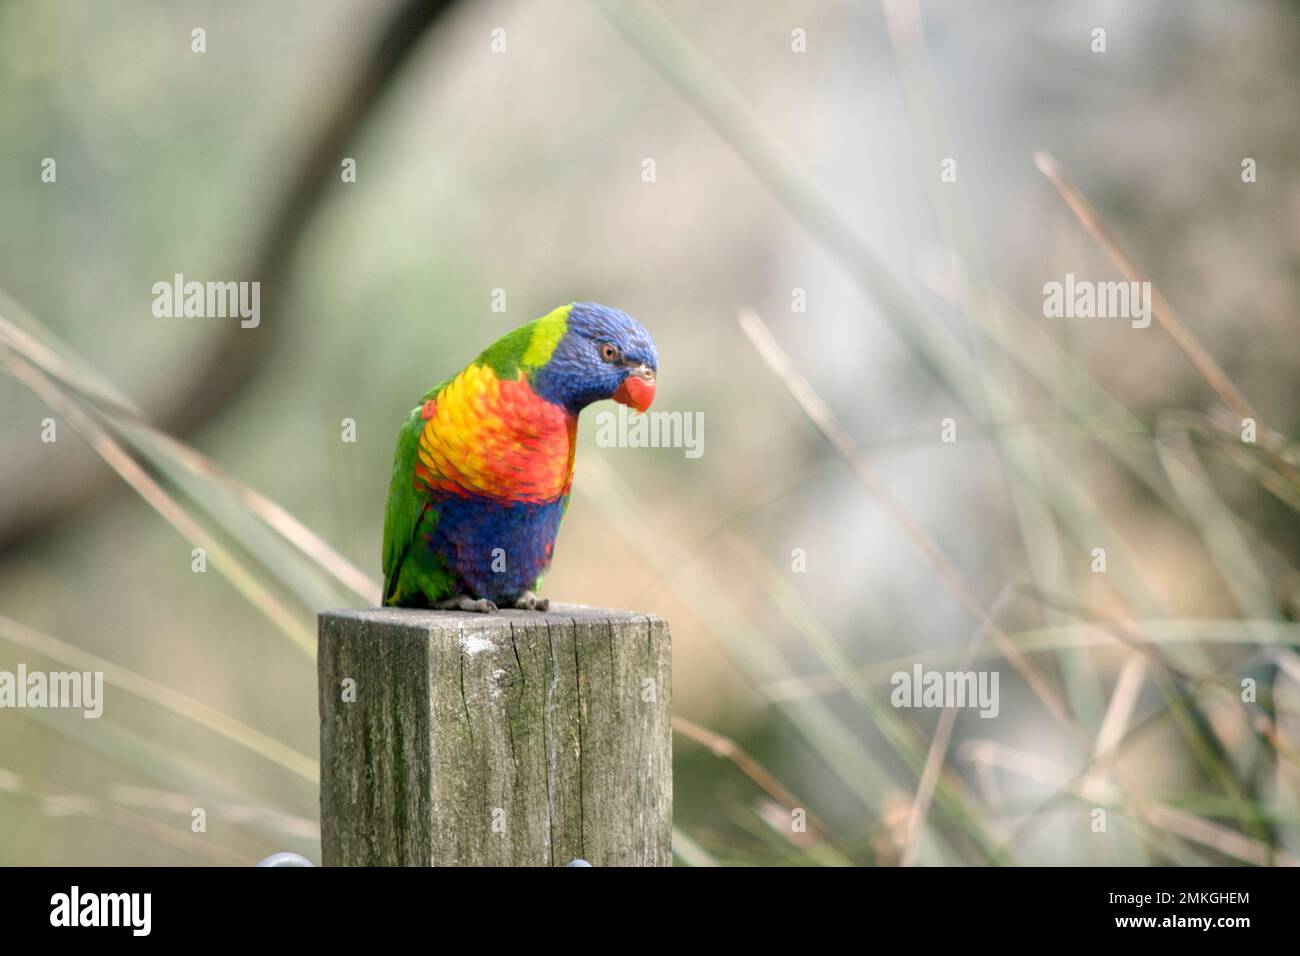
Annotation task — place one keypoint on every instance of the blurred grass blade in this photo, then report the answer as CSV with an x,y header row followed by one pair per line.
x,y
58,801
727,749
936,348
233,814
1224,543
953,797
689,852
1185,825
649,31
39,345
155,496
143,758
825,421
163,450
164,697
1210,631
1162,311
937,755
1022,454
758,656
307,542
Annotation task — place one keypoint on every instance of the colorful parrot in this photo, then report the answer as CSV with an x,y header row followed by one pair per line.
x,y
484,463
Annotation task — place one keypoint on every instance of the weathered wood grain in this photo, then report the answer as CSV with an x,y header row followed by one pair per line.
x,y
511,739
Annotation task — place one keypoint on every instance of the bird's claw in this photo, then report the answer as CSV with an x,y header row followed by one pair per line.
x,y
463,602
528,601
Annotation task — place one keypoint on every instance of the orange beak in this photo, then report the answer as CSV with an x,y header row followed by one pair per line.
x,y
637,390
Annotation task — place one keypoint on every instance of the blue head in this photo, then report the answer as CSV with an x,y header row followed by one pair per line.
x,y
603,353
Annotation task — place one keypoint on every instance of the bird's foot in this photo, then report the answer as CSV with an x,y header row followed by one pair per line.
x,y
528,601
463,602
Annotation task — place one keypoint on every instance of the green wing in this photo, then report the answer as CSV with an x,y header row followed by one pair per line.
x,y
404,502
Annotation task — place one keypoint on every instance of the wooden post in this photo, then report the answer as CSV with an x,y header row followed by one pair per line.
x,y
510,739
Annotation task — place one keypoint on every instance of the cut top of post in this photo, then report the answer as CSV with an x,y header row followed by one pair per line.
x,y
456,620
510,739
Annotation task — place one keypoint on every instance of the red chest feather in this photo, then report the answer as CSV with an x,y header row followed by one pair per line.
x,y
483,436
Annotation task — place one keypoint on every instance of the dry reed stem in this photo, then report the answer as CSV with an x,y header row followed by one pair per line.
x,y
1164,313
728,749
834,433
157,498
939,745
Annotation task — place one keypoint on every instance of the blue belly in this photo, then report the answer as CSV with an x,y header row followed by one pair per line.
x,y
496,550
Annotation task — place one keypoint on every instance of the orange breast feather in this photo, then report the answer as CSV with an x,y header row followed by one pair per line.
x,y
485,436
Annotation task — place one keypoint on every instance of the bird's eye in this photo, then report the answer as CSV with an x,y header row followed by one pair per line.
x,y
609,352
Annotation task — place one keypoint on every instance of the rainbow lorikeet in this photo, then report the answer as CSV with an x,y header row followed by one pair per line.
x,y
484,463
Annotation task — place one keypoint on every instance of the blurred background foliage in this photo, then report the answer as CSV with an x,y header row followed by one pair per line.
x,y
776,171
